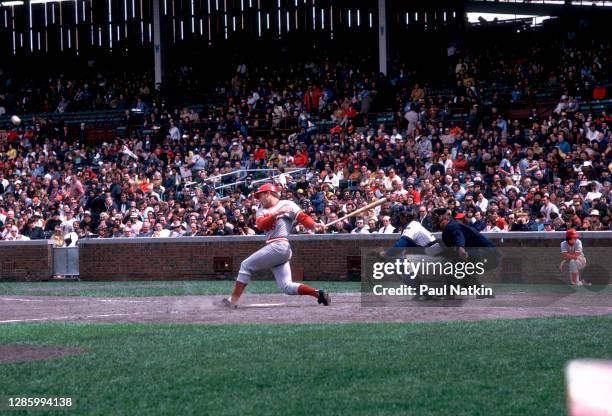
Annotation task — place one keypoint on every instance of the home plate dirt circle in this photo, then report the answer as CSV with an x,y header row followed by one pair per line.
x,y
23,353
280,308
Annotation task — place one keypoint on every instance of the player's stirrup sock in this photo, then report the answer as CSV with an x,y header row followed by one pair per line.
x,y
307,290
237,292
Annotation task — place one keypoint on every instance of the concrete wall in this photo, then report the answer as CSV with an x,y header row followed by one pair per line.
x,y
26,260
322,257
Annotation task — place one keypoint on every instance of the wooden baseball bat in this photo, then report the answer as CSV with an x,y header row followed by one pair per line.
x,y
359,211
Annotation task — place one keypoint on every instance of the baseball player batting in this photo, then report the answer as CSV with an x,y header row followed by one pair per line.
x,y
276,218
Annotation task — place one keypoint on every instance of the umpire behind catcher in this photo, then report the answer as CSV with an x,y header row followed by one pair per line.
x,y
461,237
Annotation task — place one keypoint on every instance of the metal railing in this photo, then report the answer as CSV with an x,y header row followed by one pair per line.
x,y
244,173
240,172
291,172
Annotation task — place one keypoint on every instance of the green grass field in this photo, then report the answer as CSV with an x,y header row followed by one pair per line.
x,y
152,288
512,367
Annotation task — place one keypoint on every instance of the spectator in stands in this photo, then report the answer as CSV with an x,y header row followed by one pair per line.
x,y
145,230
483,165
360,227
32,230
14,235
386,228
58,237
548,208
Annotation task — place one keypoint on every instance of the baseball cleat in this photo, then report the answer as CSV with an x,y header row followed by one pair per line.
x,y
323,298
226,303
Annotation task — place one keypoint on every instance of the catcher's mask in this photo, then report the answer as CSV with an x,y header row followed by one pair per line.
x,y
436,214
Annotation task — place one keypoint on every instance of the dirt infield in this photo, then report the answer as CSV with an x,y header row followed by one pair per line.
x,y
22,353
279,308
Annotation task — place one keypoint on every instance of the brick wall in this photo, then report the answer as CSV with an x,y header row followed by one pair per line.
x,y
26,260
194,258
322,257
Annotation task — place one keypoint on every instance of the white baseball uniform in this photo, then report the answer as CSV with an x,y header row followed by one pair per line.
x,y
275,255
419,234
578,264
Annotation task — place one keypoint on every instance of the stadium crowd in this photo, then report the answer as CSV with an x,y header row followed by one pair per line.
x,y
312,126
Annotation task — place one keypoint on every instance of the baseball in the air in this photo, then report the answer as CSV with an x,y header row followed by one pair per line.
x,y
16,120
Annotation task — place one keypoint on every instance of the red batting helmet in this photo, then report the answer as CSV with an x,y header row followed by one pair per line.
x,y
571,233
267,187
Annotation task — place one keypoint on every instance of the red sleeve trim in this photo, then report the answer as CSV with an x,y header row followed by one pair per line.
x,y
306,220
266,222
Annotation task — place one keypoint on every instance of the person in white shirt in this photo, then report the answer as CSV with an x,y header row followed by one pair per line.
x,y
159,231
482,202
593,193
398,189
13,235
136,223
281,179
548,208
69,220
174,132
3,181
387,228
70,237
332,179
412,117
395,136
10,215
392,179
360,227
340,172
592,133
562,105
